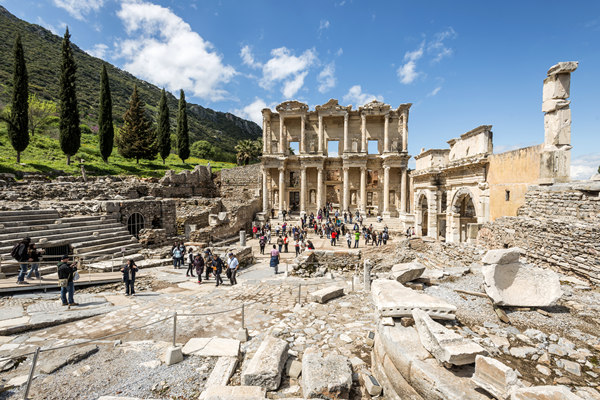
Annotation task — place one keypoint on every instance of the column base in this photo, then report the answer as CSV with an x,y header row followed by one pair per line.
x,y
386,214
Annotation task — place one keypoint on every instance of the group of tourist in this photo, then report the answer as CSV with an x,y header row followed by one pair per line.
x,y
207,263
28,256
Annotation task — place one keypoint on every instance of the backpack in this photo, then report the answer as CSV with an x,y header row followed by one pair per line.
x,y
15,252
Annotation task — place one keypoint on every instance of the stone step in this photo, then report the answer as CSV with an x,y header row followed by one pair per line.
x,y
37,220
113,251
109,265
119,241
65,223
57,234
25,214
101,239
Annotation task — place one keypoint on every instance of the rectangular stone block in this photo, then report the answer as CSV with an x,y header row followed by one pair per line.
x,y
326,294
434,382
235,393
544,393
495,378
557,127
407,272
212,347
222,372
326,377
556,87
266,366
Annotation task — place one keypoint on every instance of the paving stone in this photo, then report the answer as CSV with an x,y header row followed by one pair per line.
x,y
326,294
544,393
11,312
212,347
235,393
327,377
495,378
266,366
70,355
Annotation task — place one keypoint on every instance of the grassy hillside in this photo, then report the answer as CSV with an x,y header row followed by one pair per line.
x,y
43,155
42,53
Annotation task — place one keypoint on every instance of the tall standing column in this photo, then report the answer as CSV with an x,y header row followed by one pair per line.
x,y
386,133
320,134
266,140
281,133
403,195
281,188
405,130
302,134
363,190
303,190
386,190
265,177
346,144
319,187
346,189
363,133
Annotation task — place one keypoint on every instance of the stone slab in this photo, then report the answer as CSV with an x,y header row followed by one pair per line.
x,y
293,368
222,372
544,393
67,356
392,299
521,285
371,384
216,392
447,346
402,345
326,294
11,312
327,377
122,398
212,347
563,67
495,378
266,366
407,272
502,256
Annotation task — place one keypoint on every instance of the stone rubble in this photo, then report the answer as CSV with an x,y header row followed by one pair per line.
x,y
407,272
495,378
325,377
266,366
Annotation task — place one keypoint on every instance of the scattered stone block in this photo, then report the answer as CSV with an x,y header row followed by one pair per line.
x,y
326,377
212,347
326,294
66,356
495,378
17,381
370,339
387,321
445,345
173,355
217,392
371,384
407,321
392,299
293,368
266,366
407,272
544,393
502,256
569,366
222,372
521,285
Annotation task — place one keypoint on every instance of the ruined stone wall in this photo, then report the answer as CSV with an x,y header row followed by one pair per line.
x,y
239,216
566,200
316,262
157,214
241,182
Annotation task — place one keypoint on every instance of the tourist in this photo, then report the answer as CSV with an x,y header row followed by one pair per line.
x,y
177,256
333,236
274,263
297,247
379,218
284,212
129,271
199,266
254,231
217,266
286,242
349,239
233,265
34,256
268,234
280,243
208,258
20,253
310,245
385,236
356,238
65,281
190,270
262,243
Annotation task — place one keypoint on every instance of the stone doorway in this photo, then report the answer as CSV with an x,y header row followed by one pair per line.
x,y
135,223
333,194
294,201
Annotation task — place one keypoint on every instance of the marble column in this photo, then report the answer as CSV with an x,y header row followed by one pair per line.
x,y
386,133
281,134
405,130
346,139
386,190
346,189
302,134
363,190
319,187
303,190
320,134
265,136
281,188
403,190
363,133
265,190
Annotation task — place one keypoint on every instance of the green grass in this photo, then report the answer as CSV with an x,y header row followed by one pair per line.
x,y
44,156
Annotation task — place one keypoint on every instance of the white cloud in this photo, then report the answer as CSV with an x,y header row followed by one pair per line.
x,y
323,25
357,97
407,72
252,111
163,49
99,50
584,167
248,57
339,52
435,91
46,25
287,68
326,78
438,48
79,8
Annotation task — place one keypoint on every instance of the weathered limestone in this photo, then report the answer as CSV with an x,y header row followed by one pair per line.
x,y
326,377
495,378
326,294
70,356
445,345
502,256
222,372
392,299
235,393
407,272
544,393
371,384
266,366
212,347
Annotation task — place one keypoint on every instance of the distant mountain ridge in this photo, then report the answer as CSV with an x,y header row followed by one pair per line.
x,y
42,53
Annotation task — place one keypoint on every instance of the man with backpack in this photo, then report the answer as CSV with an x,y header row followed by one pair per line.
x,y
20,253
65,281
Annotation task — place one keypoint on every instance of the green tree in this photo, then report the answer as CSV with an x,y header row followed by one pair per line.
x,y
137,138
106,130
183,139
42,114
70,133
17,120
247,151
164,127
203,149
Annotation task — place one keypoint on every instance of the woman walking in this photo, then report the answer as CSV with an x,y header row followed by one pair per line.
x,y
190,270
274,259
129,271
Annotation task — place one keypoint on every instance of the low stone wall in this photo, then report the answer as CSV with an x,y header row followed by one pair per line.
x,y
241,182
578,200
157,213
440,254
240,216
317,262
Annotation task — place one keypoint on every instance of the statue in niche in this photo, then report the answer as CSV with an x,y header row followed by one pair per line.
x,y
276,197
355,145
311,146
353,197
313,196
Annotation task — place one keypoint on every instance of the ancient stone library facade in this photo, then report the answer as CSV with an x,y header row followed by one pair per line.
x,y
354,159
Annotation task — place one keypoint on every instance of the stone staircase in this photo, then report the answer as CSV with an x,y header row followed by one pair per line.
x,y
92,238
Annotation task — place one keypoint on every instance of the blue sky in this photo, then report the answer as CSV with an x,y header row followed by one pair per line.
x,y
462,64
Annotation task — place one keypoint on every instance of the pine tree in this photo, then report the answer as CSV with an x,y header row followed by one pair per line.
x,y
183,139
70,133
106,132
164,127
18,129
137,138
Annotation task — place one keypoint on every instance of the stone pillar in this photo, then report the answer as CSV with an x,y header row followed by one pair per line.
x,y
303,191
302,134
367,275
363,133
242,238
320,134
386,133
405,130
319,187
346,139
386,191
432,211
346,194
281,188
266,136
403,190
265,177
281,134
363,190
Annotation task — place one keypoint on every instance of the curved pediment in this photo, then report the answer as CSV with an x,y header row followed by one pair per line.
x,y
292,106
376,106
333,105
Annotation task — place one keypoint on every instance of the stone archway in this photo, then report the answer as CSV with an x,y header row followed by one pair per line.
x,y
464,212
135,223
422,215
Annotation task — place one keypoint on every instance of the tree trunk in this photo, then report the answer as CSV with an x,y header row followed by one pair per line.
x,y
18,157
163,161
137,160
68,159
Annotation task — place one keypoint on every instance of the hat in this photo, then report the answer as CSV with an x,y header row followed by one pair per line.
x,y
230,254
64,257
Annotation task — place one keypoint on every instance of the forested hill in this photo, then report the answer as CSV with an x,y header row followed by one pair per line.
x,y
42,53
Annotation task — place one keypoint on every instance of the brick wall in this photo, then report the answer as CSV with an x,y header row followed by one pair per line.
x,y
241,182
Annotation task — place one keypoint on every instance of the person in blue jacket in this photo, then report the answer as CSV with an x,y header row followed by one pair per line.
x,y
129,271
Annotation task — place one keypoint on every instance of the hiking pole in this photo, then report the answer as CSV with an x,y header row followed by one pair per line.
x,y
31,371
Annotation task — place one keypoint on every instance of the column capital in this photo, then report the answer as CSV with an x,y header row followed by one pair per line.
x,y
363,169
281,169
346,116
346,168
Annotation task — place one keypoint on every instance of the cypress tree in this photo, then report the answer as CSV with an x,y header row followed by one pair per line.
x,y
18,129
136,137
70,133
183,139
106,132
164,127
